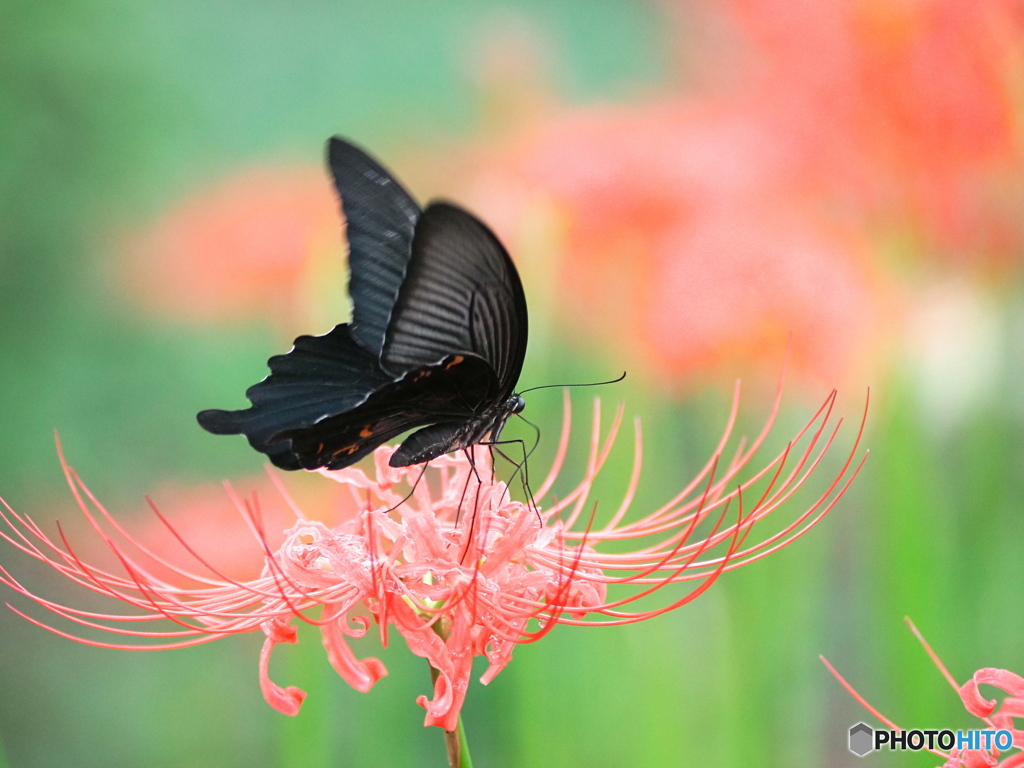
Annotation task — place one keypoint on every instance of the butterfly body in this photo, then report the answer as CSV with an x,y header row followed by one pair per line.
x,y
436,341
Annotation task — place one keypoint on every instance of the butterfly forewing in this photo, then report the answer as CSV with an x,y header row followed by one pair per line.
x,y
380,221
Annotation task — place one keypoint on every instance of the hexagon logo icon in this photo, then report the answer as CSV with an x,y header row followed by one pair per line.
x,y
861,739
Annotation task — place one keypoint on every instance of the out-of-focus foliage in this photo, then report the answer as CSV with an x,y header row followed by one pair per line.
x,y
689,189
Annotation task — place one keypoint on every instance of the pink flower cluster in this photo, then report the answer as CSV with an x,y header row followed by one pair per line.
x,y
446,557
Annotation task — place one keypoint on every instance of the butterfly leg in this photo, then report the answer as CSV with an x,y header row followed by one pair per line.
x,y
520,467
411,490
465,488
476,502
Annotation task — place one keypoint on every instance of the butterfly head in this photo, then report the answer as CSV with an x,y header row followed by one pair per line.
x,y
515,404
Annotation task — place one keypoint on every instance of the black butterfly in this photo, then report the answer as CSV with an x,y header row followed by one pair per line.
x,y
437,338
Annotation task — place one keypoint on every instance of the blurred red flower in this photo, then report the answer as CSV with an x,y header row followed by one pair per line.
x,y
686,236
912,107
185,524
250,246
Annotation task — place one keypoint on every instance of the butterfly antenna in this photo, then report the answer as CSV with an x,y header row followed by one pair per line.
x,y
526,464
590,384
536,442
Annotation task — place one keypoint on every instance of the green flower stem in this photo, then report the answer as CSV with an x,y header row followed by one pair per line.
x,y
465,761
455,741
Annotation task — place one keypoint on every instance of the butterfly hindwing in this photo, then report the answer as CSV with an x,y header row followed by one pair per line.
x,y
453,389
461,294
321,376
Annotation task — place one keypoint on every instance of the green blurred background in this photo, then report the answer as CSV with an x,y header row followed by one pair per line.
x,y
688,188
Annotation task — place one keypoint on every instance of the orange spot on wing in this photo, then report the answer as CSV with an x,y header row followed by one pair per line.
x,y
458,359
365,432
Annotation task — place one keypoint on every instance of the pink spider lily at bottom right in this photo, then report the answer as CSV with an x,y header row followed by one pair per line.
x,y
995,715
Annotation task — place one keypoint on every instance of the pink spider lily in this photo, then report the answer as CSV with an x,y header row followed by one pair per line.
x,y
449,560
994,715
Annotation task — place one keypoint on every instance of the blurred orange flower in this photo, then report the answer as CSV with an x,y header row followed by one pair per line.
x,y
700,229
696,231
914,105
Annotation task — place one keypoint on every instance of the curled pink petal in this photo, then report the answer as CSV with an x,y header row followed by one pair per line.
x,y
278,631
360,674
440,709
1003,679
1000,678
977,759
288,700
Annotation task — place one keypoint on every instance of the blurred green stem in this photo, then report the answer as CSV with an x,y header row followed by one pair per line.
x,y
455,741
